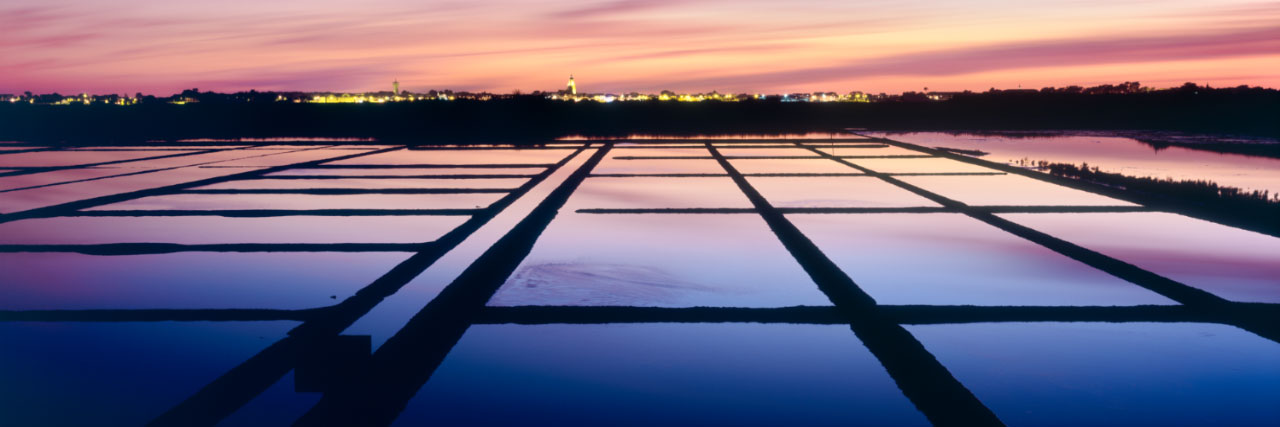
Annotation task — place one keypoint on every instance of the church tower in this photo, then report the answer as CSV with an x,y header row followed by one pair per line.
x,y
395,87
572,88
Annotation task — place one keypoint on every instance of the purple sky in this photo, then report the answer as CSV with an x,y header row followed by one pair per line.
x,y
127,46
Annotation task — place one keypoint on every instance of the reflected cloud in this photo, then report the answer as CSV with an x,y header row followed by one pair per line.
x,y
1260,41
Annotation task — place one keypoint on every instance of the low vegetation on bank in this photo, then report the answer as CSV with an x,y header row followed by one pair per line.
x,y
1257,209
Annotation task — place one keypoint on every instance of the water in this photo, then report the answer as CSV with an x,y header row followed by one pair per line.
x,y
212,202
461,157
949,259
658,193
659,260
282,280
652,374
777,166
1149,373
735,136
78,157
198,230
116,374
1232,263
419,183
399,172
1009,190
834,192
656,294
1116,154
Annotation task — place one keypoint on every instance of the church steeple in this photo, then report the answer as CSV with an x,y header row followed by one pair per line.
x,y
572,88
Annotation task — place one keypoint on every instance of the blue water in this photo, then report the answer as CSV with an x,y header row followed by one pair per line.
x,y
746,370
656,374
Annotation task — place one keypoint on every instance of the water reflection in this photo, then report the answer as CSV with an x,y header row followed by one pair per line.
x,y
210,202
1123,374
116,374
284,158
186,280
836,191
692,160
734,136
616,374
658,192
765,152
950,259
370,184
193,230
930,165
240,158
278,405
396,172
14,182
750,166
652,374
157,147
461,157
1115,154
71,158
1229,262
50,196
661,144
865,150
1009,190
699,150
659,260
683,166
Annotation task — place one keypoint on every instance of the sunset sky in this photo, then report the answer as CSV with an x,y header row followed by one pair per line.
x,y
164,46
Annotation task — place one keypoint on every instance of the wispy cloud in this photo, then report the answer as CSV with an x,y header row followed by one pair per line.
x,y
1021,55
676,53
612,8
151,45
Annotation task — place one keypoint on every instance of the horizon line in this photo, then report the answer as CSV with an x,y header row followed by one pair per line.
x,y
541,91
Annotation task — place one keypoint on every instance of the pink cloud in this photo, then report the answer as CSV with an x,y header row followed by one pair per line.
x,y
613,45
614,7
1083,51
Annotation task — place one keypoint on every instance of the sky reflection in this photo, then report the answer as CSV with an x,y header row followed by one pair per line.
x,y
1009,190
834,191
1232,263
950,259
1115,154
658,192
659,260
131,375
208,202
655,374
1120,374
214,229
761,366
186,280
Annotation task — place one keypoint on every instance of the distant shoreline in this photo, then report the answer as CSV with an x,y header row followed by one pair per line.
x,y
1255,146
532,119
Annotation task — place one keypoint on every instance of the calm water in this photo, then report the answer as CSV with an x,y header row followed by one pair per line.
x,y
657,293
1117,154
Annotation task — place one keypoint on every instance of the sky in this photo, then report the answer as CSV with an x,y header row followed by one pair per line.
x,y
616,46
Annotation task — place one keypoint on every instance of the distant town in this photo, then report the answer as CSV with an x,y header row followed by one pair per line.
x,y
570,94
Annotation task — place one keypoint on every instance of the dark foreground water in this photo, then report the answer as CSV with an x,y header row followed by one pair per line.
x,y
643,282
